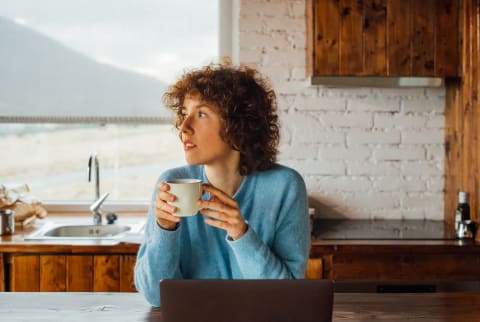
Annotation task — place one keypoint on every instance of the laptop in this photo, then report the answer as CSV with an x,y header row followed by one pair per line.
x,y
215,300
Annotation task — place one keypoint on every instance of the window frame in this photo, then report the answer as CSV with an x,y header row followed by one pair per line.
x,y
228,47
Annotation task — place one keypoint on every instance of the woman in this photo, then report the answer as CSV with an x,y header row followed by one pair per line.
x,y
253,218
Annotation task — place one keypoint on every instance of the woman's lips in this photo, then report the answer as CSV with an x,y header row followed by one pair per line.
x,y
187,145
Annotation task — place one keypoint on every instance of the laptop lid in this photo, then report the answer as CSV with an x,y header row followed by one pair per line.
x,y
246,300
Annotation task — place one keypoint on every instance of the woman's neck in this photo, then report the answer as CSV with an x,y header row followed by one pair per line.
x,y
225,178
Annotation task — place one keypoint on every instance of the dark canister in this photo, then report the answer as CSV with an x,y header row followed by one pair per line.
x,y
7,222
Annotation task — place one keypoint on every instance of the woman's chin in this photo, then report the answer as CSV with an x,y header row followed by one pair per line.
x,y
192,161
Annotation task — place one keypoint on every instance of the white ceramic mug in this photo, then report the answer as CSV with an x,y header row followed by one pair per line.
x,y
187,193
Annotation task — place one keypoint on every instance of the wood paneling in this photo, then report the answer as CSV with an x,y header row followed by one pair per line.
x,y
25,273
351,37
52,273
385,37
423,37
374,27
72,273
447,45
399,38
80,273
106,273
2,273
462,118
406,267
314,268
327,26
126,273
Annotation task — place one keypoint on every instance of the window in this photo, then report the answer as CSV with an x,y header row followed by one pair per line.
x,y
86,76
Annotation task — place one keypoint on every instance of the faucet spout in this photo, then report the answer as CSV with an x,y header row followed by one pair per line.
x,y
95,208
93,162
97,202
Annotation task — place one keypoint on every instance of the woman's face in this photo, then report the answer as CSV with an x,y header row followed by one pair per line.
x,y
200,133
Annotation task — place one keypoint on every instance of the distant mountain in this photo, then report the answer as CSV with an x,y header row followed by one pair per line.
x,y
39,73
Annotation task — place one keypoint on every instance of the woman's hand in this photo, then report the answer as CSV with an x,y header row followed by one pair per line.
x,y
224,211
163,210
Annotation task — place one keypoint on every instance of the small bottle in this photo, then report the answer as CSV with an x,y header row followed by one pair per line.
x,y
462,214
463,208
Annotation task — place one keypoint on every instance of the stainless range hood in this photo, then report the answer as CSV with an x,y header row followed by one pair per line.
x,y
377,81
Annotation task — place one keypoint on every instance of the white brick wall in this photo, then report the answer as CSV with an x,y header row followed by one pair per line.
x,y
364,152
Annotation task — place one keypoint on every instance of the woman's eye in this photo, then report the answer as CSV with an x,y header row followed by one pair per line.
x,y
201,114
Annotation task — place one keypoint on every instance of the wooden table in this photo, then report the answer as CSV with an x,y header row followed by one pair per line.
x,y
98,307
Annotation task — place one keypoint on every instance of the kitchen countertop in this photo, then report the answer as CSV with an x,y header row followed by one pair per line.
x,y
360,229
119,307
386,236
16,243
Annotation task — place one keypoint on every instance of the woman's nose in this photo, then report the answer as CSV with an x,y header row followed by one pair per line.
x,y
186,125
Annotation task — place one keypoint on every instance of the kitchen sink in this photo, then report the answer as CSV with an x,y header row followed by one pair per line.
x,y
56,231
87,231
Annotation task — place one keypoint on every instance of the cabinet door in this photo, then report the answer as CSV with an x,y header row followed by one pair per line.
x,y
314,268
127,266
2,273
72,273
386,37
80,273
406,267
52,273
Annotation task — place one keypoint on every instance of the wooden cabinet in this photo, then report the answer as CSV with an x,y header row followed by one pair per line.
x,y
402,267
71,273
2,274
399,262
314,268
385,37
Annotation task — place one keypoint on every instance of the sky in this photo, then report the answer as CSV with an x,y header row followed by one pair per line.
x,y
159,38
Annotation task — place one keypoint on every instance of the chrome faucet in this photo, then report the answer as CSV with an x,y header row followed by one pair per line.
x,y
97,202
96,210
93,161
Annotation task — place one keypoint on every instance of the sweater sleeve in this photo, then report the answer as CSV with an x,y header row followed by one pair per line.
x,y
288,255
158,258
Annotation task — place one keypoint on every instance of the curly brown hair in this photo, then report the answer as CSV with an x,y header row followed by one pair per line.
x,y
246,103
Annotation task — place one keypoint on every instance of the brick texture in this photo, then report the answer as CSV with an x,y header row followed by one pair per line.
x,y
364,152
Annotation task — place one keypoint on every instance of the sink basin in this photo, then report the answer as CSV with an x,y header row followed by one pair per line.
x,y
87,231
64,231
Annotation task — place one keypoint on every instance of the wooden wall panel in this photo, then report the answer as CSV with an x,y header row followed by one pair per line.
x,y
423,37
462,118
447,44
127,267
351,37
375,38
399,38
25,273
106,273
453,144
80,273
52,273
327,26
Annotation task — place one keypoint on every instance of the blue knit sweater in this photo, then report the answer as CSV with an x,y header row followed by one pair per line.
x,y
275,246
